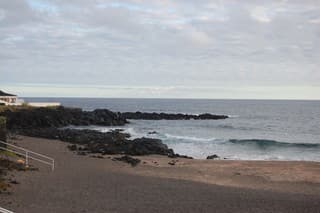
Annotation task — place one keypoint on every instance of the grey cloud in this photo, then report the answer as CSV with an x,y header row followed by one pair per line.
x,y
15,12
165,43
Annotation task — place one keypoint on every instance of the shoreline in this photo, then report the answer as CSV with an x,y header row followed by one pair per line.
x,y
281,176
94,184
307,172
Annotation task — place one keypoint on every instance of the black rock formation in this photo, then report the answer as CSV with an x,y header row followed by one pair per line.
x,y
128,159
168,116
91,141
46,117
212,157
47,122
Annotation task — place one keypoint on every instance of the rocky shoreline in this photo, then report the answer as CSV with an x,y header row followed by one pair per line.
x,y
46,117
170,116
49,122
91,141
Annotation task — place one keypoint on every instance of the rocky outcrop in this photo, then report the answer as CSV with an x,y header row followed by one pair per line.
x,y
168,116
128,159
46,117
90,141
59,117
212,157
47,123
174,155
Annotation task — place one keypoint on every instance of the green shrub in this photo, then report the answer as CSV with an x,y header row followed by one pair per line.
x,y
3,129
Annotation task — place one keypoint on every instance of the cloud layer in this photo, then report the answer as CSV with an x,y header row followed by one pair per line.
x,y
139,43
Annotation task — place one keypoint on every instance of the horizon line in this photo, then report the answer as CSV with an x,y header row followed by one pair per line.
x,y
168,98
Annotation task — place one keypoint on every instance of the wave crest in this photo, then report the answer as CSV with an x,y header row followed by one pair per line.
x,y
189,138
231,127
264,143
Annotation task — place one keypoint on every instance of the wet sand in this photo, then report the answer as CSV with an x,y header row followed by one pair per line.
x,y
86,184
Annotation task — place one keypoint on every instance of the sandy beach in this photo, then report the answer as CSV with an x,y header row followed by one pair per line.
x,y
87,184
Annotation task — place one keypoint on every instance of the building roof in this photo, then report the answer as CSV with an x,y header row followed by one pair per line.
x,y
5,94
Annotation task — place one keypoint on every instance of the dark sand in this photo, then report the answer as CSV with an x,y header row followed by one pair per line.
x,y
85,184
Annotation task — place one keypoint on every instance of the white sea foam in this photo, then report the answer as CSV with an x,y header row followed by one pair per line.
x,y
133,133
188,138
233,116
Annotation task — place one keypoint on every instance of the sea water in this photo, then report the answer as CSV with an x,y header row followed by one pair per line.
x,y
256,129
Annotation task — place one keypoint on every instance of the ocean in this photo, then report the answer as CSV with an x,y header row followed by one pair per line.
x,y
256,129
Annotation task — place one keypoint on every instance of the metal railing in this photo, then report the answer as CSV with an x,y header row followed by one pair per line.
x,y
28,154
2,210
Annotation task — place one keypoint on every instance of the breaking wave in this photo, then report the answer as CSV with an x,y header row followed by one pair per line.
x,y
188,138
231,127
263,143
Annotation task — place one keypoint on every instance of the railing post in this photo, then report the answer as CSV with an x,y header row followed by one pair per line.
x,y
27,159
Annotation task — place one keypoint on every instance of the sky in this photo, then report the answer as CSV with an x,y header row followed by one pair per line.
x,y
161,49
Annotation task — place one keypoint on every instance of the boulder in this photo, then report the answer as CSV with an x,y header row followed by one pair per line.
x,y
212,157
174,155
127,159
142,146
73,147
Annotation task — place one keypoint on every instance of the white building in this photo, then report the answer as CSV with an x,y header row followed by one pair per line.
x,y
12,100
7,99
